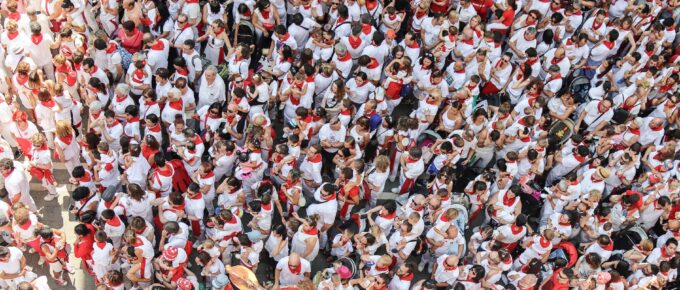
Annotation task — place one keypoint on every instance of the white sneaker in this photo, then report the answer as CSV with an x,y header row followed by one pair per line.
x,y
49,197
421,267
395,190
41,261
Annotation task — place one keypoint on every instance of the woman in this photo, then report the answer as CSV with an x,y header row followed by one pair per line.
x,y
67,148
66,75
361,132
527,20
451,119
348,197
218,39
25,84
506,18
277,243
45,114
519,82
174,106
305,241
40,165
332,100
238,62
265,19
258,95
212,12
163,23
138,202
375,178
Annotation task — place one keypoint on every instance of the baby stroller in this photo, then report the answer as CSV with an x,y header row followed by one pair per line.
x,y
579,87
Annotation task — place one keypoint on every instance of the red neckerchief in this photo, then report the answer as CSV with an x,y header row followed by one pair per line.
x,y
315,159
183,71
556,60
133,119
634,131
313,231
295,271
596,26
164,171
12,35
592,178
155,129
101,245
544,242
95,116
177,105
22,79
469,41
14,16
608,44
564,224
471,86
67,140
420,13
392,17
657,128
508,201
111,48
284,37
373,64
115,221
407,277
50,104
663,253
515,229
382,269
121,99
552,78
149,103
532,60
8,173
388,216
579,158
198,196
158,46
26,225
36,38
354,41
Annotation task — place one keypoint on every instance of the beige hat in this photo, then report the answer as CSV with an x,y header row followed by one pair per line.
x,y
603,171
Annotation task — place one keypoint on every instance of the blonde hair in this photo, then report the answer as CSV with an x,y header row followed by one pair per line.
x,y
38,139
382,163
59,59
647,245
12,25
21,216
63,129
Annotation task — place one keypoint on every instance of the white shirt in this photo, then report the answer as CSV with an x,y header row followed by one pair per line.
x,y
286,277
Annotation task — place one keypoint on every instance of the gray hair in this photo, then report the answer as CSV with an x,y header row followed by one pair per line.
x,y
211,68
340,49
95,105
123,89
35,27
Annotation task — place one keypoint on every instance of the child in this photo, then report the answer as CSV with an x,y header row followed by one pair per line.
x,y
342,245
103,256
113,226
52,243
24,227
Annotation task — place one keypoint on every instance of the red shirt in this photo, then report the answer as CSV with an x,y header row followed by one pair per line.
x,y
132,43
482,6
83,249
554,283
508,16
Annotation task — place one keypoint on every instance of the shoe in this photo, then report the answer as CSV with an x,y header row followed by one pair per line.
x,y
49,197
31,250
69,269
421,267
61,282
395,190
41,261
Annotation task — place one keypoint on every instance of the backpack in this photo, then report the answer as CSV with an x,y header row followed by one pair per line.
x,y
421,245
125,56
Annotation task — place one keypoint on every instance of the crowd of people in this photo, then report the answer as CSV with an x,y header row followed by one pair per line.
x,y
425,144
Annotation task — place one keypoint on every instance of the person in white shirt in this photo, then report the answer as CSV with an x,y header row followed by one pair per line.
x,y
212,88
12,267
193,61
595,115
181,32
291,270
158,52
16,184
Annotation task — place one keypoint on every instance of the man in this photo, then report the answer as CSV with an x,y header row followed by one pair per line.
x,y
181,32
158,51
16,184
211,89
553,83
595,116
556,56
402,278
291,270
521,41
311,169
39,48
12,267
332,137
593,180
412,167
651,131
193,61
326,207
